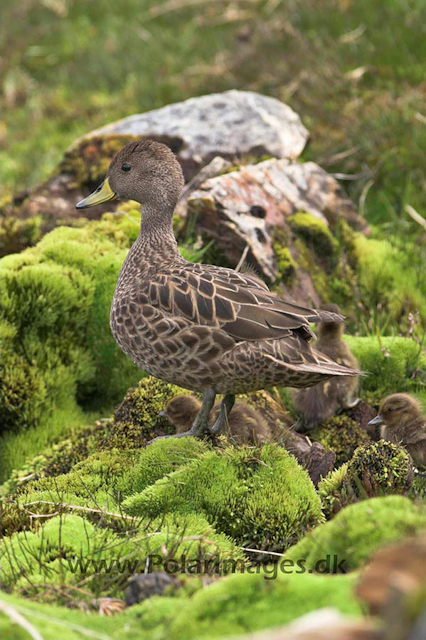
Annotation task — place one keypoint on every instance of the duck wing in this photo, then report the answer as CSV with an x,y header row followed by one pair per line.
x,y
239,304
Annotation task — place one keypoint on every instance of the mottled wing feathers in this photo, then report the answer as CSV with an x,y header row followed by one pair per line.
x,y
237,303
168,335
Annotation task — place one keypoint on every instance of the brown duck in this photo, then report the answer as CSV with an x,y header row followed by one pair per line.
x,y
245,424
202,327
401,421
325,399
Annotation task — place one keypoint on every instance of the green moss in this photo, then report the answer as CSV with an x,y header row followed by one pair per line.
x,y
68,548
260,497
17,234
315,234
359,530
246,603
287,266
378,469
158,460
392,365
342,435
389,278
141,405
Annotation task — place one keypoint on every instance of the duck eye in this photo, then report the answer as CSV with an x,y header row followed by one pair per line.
x,y
126,166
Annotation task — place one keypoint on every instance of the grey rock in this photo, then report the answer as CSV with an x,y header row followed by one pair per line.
x,y
230,124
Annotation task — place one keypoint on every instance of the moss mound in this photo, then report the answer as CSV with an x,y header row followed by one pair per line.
x,y
68,548
342,435
141,407
359,530
158,460
259,496
379,469
222,609
57,348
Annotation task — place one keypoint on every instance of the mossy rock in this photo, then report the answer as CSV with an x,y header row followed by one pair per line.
x,y
68,548
315,234
378,469
392,365
359,530
260,497
342,435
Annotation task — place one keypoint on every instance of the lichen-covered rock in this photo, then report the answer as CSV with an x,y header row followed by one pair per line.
x,y
260,497
358,531
378,469
341,435
256,206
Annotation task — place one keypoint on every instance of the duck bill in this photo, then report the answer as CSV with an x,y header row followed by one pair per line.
x,y
376,421
103,193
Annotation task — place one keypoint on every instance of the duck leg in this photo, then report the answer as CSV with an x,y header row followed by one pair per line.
x,y
225,410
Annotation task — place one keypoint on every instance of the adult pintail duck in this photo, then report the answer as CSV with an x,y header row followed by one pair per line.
x,y
202,327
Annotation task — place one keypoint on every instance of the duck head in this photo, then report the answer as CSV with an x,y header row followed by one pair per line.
x,y
397,409
145,171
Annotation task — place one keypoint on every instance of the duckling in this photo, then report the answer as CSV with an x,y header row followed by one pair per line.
x,y
400,420
245,424
206,328
324,400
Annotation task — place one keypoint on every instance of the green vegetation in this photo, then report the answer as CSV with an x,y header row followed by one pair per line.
x,y
391,364
316,235
342,435
57,350
356,85
68,548
258,496
357,531
378,469
84,488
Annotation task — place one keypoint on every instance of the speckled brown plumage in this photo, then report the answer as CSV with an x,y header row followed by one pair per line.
x,y
202,327
324,400
245,424
401,421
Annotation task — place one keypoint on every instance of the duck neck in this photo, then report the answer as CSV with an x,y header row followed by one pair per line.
x,y
156,232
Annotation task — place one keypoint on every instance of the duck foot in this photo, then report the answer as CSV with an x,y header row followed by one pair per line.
x,y
222,419
201,422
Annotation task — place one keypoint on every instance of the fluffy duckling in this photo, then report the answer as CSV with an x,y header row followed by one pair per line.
x,y
324,400
400,420
245,424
